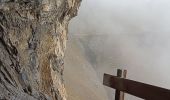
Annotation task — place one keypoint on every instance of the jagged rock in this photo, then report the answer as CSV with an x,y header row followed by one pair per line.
x,y
33,35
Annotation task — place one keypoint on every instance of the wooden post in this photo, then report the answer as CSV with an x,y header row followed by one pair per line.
x,y
122,94
117,93
138,89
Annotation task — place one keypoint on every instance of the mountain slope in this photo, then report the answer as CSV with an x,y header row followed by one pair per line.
x,y
81,78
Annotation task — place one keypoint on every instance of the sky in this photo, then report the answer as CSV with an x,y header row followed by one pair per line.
x,y
135,35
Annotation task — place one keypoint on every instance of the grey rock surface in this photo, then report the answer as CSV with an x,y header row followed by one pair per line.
x,y
33,35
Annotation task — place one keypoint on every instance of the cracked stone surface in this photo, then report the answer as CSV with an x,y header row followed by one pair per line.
x,y
33,36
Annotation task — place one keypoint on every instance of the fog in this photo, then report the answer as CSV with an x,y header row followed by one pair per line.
x,y
128,34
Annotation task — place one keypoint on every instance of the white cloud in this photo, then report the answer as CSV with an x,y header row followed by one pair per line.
x,y
139,35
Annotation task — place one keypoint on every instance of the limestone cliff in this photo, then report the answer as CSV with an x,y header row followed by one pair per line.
x,y
33,35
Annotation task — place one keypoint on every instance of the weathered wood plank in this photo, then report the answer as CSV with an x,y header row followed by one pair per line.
x,y
138,89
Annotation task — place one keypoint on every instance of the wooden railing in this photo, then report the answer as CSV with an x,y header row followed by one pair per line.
x,y
138,89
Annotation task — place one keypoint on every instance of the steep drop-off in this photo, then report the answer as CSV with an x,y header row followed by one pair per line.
x,y
33,35
81,79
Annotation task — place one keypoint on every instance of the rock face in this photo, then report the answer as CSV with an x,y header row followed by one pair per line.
x,y
33,35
